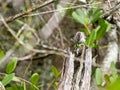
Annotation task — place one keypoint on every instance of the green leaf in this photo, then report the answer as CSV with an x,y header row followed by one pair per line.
x,y
24,85
7,79
81,16
70,11
35,78
15,87
98,76
114,72
108,26
1,54
104,27
55,71
40,85
113,67
107,79
10,88
84,30
11,65
91,39
115,85
95,15
55,85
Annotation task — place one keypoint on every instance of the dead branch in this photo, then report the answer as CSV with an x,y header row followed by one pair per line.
x,y
88,70
19,15
67,74
78,74
112,10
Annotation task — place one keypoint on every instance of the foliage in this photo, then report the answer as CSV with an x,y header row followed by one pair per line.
x,y
12,82
35,78
95,28
11,66
98,76
55,71
114,85
1,54
88,19
56,74
112,81
21,84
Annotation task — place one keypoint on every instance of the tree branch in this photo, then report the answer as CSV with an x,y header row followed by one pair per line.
x,y
88,69
19,15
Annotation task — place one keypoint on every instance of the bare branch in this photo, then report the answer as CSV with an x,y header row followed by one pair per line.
x,y
88,69
111,10
12,18
68,71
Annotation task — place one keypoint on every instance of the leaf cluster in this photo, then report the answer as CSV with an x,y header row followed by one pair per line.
x,y
94,26
20,84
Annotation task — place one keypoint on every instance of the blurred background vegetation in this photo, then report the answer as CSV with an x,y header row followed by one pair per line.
x,y
39,60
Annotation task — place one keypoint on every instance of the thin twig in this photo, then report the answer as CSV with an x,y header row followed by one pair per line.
x,y
23,14
111,11
12,18
6,57
52,51
30,47
62,9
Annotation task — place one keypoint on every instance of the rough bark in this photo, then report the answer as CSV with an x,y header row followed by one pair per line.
x,y
86,81
67,74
